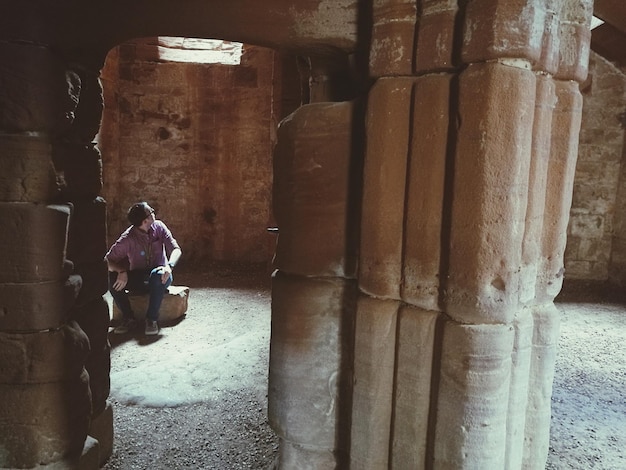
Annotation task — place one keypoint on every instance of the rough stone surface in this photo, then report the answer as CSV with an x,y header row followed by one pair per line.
x,y
564,152
101,429
521,359
43,357
80,165
374,357
595,248
312,183
172,309
551,40
228,430
490,192
88,115
94,281
545,102
33,306
393,38
87,242
538,411
575,41
33,253
425,192
43,422
417,335
28,174
309,369
380,262
503,28
473,396
94,320
435,41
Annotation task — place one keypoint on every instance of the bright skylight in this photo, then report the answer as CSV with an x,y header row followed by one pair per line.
x,y
200,51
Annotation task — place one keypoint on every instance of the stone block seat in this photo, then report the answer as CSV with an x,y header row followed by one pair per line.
x,y
172,310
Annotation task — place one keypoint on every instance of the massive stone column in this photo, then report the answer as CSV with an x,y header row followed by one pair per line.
x,y
569,68
398,320
472,127
313,289
46,401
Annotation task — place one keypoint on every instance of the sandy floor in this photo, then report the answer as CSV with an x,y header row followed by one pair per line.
x,y
589,394
195,397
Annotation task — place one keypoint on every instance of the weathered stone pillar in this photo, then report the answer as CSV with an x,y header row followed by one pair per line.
x,y
313,290
488,216
77,157
46,402
470,152
531,260
571,71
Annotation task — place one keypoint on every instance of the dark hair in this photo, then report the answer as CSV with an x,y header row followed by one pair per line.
x,y
138,212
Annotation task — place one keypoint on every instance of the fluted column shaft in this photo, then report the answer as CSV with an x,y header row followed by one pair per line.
x,y
470,151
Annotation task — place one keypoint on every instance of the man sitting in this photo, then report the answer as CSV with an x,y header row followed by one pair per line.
x,y
141,261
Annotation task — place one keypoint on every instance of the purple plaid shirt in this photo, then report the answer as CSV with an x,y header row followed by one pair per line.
x,y
135,249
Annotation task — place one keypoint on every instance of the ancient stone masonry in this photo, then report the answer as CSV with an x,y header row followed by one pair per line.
x,y
596,233
467,248
78,158
422,209
313,288
53,344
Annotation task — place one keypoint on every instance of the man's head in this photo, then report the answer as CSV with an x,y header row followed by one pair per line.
x,y
139,212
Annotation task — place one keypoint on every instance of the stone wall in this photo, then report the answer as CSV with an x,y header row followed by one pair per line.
x,y
596,243
195,141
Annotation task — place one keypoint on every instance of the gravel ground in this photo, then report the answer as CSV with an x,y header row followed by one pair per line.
x,y
589,393
195,397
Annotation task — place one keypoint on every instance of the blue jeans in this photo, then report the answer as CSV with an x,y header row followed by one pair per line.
x,y
140,282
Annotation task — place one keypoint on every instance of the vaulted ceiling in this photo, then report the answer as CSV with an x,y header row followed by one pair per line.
x,y
609,39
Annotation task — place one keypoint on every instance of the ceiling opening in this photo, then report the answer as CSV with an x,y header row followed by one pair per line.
x,y
199,51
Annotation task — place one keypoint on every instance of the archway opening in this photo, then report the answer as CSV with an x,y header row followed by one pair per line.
x,y
195,139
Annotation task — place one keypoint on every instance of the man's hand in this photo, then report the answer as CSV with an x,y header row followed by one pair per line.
x,y
166,272
121,281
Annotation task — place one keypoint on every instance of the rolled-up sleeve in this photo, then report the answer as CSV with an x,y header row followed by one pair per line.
x,y
169,241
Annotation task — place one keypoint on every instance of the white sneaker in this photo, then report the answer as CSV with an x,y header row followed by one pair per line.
x,y
152,328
